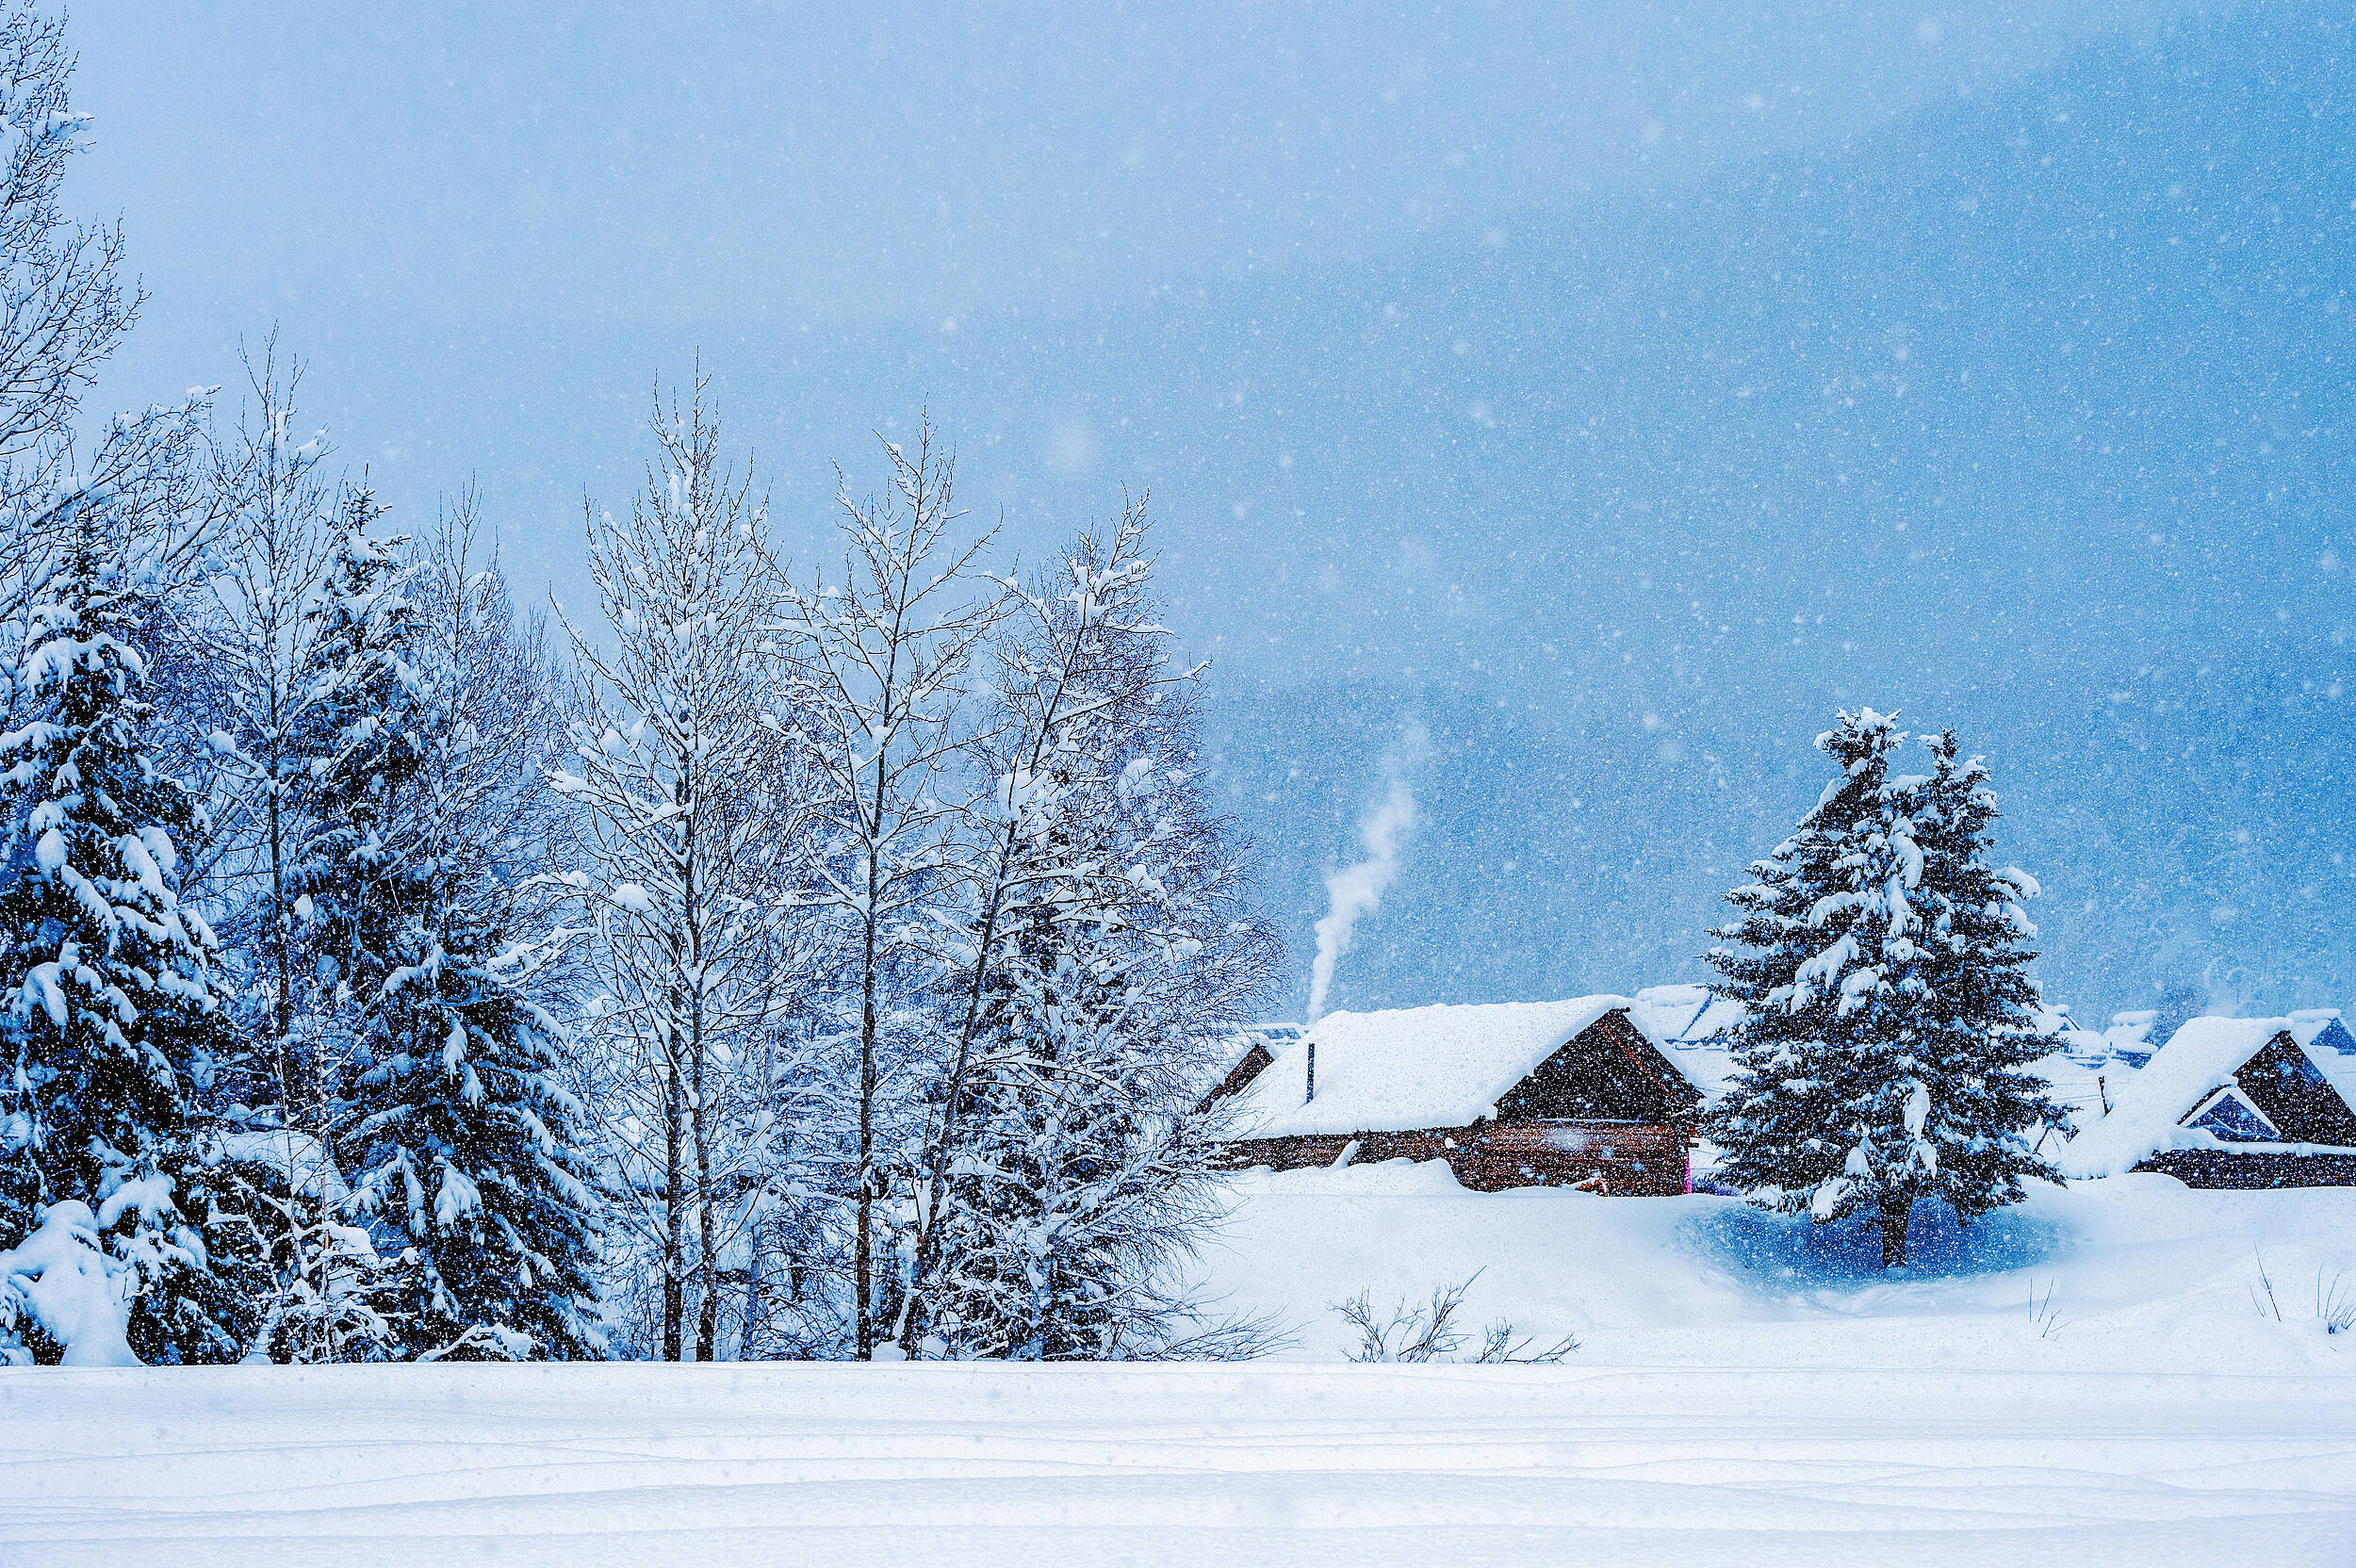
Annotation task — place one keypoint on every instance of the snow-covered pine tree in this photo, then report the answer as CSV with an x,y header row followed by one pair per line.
x,y
457,1133
1109,935
106,975
1888,1008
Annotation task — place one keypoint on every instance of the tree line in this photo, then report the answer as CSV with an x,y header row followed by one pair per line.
x,y
783,961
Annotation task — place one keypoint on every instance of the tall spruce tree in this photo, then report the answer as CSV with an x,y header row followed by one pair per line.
x,y
454,1127
107,978
1883,970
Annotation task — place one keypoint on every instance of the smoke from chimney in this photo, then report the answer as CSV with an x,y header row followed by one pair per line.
x,y
1353,891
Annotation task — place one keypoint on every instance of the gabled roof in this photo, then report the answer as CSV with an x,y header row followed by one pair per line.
x,y
2322,1029
1690,1025
2233,1117
2130,1036
1411,1068
1683,1015
1219,1066
2153,1105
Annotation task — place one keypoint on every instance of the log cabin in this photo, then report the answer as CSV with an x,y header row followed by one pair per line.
x,y
1512,1095
2245,1102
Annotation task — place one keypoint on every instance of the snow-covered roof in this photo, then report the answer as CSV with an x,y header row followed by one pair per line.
x,y
2130,1035
1680,1015
2079,1085
1222,1052
1690,1026
2149,1105
1409,1067
2087,1047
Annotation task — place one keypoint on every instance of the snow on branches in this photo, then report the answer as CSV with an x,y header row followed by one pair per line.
x,y
1889,1016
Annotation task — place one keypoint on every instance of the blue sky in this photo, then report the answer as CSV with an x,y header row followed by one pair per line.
x,y
1616,390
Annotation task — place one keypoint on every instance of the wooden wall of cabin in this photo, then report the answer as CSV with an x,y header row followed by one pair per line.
x,y
2254,1170
1622,1158
1625,1159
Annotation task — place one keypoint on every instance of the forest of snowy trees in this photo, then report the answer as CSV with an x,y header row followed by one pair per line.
x,y
775,959
783,960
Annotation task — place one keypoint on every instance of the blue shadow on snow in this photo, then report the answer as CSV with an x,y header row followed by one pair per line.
x,y
1779,1253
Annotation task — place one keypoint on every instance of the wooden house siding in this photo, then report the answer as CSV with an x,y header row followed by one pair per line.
x,y
1609,1072
1625,1159
2254,1170
2281,1083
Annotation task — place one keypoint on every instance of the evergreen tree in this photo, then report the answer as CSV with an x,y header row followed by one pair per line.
x,y
455,1126
105,976
354,890
1889,1022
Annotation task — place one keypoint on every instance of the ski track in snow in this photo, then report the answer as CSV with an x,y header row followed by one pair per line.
x,y
1266,1462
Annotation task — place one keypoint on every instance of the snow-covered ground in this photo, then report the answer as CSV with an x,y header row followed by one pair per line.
x,y
1746,1393
2137,1272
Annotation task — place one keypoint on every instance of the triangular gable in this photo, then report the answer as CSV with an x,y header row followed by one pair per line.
x,y
1608,1072
2294,1095
2230,1115
2333,1036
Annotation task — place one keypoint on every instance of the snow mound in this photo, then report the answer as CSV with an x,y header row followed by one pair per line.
x,y
61,1277
2117,1276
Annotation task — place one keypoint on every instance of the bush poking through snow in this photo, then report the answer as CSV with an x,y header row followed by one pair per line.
x,y
1413,1334
2335,1305
2043,1317
2262,1294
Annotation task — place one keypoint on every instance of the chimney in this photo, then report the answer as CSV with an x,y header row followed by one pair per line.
x,y
1312,1070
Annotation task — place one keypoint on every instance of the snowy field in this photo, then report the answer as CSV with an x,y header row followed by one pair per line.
x,y
1744,1394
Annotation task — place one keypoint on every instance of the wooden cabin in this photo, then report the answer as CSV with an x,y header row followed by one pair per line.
x,y
2234,1102
1520,1094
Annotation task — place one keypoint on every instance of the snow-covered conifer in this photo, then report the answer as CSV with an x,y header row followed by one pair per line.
x,y
106,974
458,1136
1888,1008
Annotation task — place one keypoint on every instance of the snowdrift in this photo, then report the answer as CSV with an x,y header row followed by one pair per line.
x,y
2134,1272
1749,1389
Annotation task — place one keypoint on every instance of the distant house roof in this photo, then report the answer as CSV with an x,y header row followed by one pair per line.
x,y
2130,1036
1232,1060
2322,1029
1680,1015
1411,1068
2081,1086
1690,1025
2155,1108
